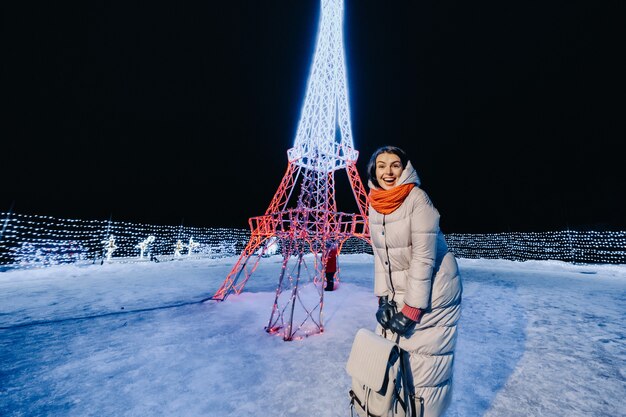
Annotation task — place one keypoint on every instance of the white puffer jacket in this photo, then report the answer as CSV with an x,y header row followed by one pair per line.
x,y
413,266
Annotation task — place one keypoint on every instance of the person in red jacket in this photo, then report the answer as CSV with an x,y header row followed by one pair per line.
x,y
331,267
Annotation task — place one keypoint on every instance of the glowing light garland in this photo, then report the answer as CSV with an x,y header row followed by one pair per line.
x,y
568,245
144,246
36,241
109,247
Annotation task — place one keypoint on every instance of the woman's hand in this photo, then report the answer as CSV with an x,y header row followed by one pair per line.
x,y
386,310
401,324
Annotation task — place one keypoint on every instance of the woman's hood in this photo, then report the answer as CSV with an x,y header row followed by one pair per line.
x,y
408,176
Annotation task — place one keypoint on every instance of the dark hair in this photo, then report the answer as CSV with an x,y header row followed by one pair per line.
x,y
371,166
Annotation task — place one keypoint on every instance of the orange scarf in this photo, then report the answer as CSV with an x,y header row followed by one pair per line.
x,y
387,201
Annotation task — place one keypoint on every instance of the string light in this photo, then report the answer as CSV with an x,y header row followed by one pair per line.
x,y
191,246
35,241
604,247
109,247
144,246
177,248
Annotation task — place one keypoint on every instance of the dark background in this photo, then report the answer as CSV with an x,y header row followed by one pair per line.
x,y
173,112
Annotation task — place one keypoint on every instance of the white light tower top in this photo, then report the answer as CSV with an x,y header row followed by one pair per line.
x,y
326,109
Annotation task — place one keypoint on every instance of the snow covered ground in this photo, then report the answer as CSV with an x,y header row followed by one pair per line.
x,y
536,339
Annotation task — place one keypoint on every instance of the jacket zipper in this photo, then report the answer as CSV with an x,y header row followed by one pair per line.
x,y
393,289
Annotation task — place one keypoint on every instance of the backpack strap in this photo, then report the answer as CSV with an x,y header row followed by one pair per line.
x,y
409,404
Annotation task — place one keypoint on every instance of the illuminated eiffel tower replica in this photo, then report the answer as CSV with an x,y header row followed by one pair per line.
x,y
323,145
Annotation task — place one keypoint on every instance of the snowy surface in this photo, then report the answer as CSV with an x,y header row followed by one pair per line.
x,y
535,339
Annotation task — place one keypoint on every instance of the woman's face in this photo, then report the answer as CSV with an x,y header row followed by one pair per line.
x,y
388,170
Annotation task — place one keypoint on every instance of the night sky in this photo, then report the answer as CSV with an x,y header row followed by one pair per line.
x,y
513,113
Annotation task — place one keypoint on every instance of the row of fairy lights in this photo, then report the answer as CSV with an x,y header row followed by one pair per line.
x,y
35,239
64,240
568,245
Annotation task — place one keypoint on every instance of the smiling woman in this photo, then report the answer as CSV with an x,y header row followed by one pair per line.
x,y
416,277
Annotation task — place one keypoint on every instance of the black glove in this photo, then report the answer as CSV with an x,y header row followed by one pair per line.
x,y
400,324
386,310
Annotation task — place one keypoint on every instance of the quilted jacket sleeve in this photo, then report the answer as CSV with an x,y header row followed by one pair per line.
x,y
380,277
424,231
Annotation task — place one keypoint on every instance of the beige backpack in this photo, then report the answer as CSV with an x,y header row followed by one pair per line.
x,y
378,386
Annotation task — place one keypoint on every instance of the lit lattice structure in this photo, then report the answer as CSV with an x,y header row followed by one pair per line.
x,y
323,145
